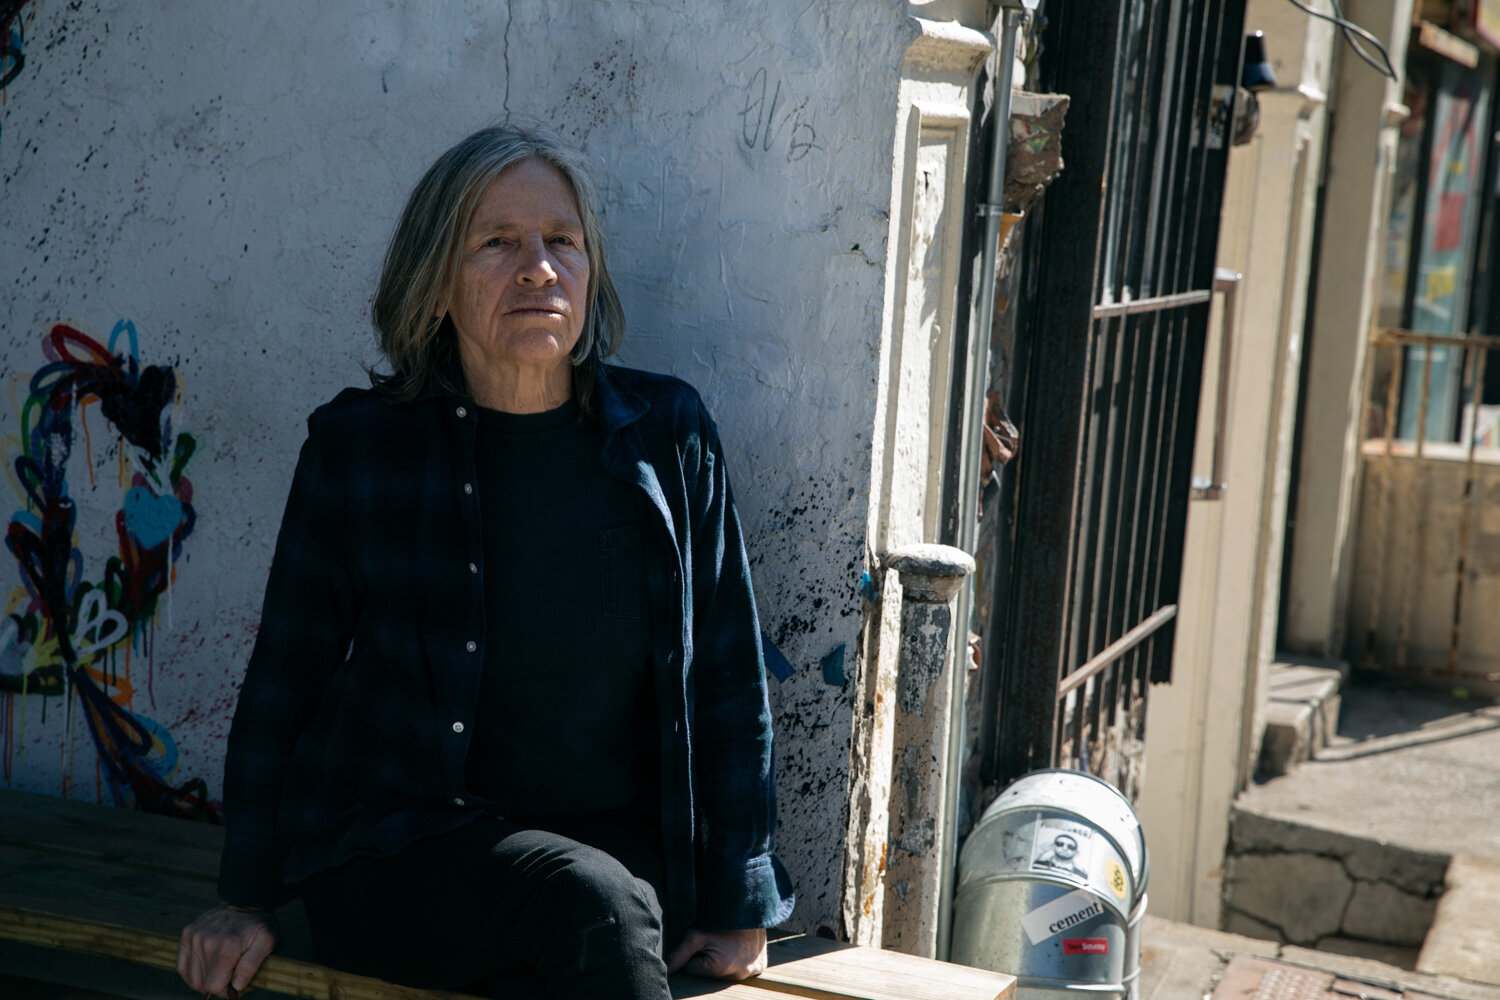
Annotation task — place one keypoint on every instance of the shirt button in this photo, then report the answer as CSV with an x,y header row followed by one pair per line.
x,y
471,645
462,412
458,727
457,801
473,568
468,487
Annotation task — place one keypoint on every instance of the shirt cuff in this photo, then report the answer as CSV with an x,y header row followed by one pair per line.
x,y
250,872
741,896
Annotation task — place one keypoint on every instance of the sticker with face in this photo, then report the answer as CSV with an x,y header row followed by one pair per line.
x,y
1062,848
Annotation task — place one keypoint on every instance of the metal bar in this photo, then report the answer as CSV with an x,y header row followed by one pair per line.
x,y
1228,282
971,432
1114,650
1145,545
1380,579
1083,579
1122,129
1195,115
1392,394
1164,169
1175,337
1175,139
1409,580
1164,573
1156,303
1135,206
1412,338
1425,399
1093,699
1101,476
1126,549
1474,362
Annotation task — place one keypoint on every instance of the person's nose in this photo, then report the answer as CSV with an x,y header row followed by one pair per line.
x,y
537,267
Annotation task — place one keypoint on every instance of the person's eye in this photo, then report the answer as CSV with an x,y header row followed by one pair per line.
x,y
565,240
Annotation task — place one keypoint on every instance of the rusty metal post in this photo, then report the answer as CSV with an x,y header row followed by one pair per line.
x,y
931,576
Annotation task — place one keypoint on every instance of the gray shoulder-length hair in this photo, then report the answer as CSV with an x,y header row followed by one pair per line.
x,y
422,262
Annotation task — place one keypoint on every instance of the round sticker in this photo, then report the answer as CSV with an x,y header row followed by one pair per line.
x,y
1115,876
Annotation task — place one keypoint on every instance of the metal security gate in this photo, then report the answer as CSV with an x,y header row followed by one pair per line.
x,y
1108,363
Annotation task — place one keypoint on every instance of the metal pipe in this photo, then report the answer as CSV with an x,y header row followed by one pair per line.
x,y
970,445
1157,303
1474,362
1118,648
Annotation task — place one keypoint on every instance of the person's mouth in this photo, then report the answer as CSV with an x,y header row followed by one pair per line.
x,y
538,309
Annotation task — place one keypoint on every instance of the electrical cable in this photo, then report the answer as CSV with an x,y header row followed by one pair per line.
x,y
1351,32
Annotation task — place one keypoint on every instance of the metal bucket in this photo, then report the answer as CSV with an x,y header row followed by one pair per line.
x,y
1052,888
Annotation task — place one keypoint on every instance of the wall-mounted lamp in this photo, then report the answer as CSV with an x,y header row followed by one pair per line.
x,y
1256,74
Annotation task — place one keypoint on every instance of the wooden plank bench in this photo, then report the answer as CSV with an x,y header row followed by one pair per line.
x,y
112,889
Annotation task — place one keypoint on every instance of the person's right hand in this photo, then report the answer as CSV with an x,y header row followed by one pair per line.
x,y
221,951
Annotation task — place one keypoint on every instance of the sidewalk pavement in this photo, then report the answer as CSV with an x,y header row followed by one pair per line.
x,y
1183,962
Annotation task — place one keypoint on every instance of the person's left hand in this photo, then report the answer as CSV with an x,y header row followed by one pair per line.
x,y
720,954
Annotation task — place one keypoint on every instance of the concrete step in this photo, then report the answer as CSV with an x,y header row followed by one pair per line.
x,y
1464,940
1302,710
1287,880
1349,851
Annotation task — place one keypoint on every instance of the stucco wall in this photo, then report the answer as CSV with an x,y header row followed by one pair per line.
x,y
221,180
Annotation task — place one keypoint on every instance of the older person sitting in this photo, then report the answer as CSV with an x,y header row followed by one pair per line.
x,y
506,711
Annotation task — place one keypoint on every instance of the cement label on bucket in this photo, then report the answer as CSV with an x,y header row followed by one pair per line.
x,y
1063,913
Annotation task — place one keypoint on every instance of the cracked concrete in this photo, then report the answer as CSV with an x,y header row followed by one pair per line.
x,y
1303,896
1305,885
1349,851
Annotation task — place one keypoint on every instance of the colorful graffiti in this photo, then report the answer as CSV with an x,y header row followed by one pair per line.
x,y
11,40
77,639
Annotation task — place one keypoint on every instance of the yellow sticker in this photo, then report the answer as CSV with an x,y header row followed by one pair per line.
x,y
1115,876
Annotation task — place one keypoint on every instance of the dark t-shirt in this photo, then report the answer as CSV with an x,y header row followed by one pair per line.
x,y
566,720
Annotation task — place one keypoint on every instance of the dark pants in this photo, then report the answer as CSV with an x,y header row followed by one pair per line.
x,y
525,911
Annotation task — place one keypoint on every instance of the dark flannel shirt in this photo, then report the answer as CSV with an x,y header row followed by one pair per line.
x,y
353,725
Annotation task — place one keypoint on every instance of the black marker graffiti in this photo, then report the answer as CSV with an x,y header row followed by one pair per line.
x,y
763,120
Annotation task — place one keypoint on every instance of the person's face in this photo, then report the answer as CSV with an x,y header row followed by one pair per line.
x,y
1066,848
523,279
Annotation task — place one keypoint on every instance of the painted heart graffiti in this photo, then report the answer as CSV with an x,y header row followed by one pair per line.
x,y
64,635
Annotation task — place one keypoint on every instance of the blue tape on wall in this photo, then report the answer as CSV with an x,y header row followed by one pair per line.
x,y
833,666
781,668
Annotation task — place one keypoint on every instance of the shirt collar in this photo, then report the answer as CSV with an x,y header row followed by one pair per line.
x,y
618,405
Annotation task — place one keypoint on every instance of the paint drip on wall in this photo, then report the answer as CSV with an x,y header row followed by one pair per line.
x,y
78,638
12,43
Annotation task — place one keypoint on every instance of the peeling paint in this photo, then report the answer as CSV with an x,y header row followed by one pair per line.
x,y
924,653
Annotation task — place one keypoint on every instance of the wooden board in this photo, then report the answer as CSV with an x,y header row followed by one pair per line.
x,y
801,967
118,884
277,974
809,966
145,898
120,836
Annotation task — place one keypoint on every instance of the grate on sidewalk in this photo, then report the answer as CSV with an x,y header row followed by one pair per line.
x,y
1247,978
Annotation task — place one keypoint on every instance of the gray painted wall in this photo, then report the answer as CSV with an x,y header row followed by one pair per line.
x,y
224,178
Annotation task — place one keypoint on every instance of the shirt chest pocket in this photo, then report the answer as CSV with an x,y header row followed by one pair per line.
x,y
622,572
